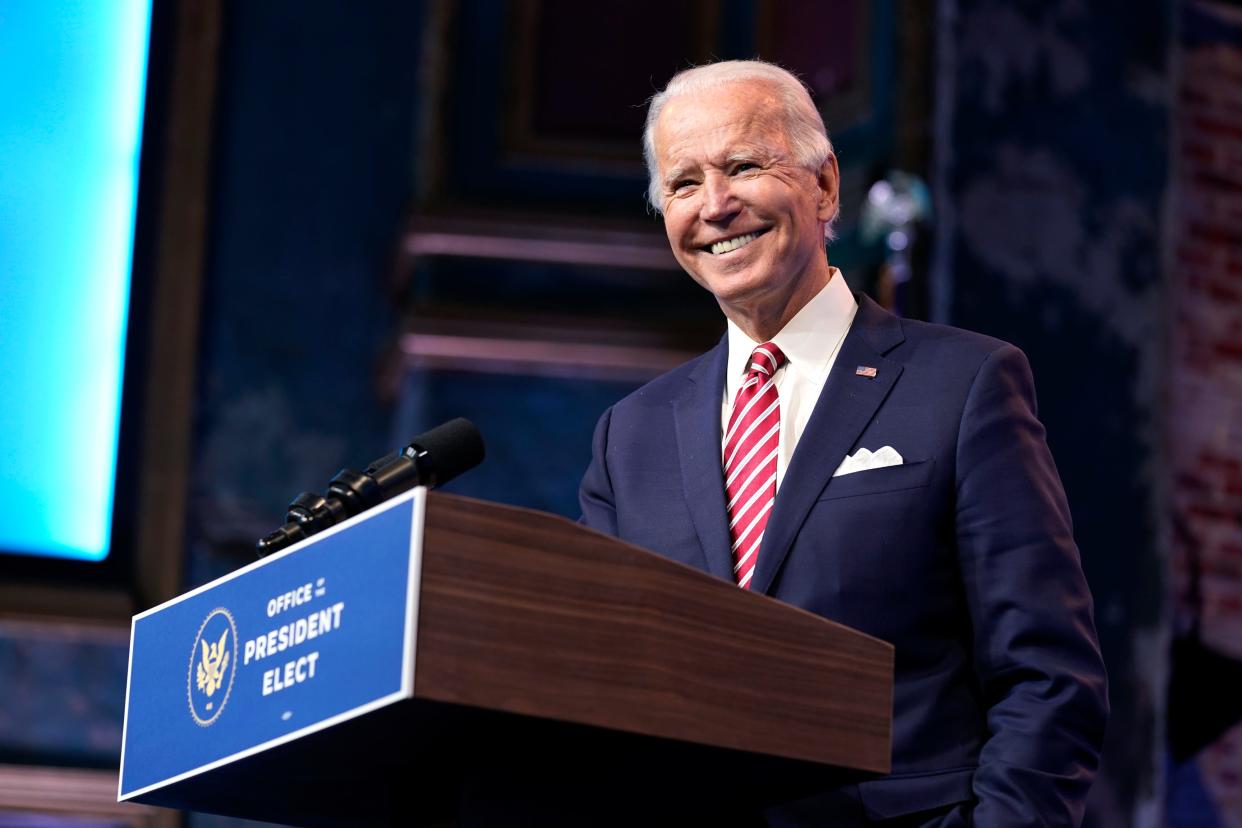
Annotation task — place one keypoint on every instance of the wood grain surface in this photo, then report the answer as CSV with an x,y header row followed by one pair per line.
x,y
529,613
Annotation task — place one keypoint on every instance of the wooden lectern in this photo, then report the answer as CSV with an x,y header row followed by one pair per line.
x,y
564,677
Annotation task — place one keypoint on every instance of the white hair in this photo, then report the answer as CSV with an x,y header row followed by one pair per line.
x,y
804,129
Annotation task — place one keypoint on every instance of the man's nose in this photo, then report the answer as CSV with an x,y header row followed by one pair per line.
x,y
719,200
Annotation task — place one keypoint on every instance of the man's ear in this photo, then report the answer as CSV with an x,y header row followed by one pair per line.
x,y
828,180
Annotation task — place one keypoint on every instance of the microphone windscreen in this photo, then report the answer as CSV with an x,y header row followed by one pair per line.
x,y
452,448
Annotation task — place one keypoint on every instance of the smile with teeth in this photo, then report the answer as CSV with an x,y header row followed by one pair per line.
x,y
734,243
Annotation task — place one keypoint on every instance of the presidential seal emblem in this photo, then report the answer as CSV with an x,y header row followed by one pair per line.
x,y
212,666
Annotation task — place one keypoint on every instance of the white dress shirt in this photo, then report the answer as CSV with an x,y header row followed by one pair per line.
x,y
810,342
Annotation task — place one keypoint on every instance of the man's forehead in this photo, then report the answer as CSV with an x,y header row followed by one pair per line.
x,y
717,122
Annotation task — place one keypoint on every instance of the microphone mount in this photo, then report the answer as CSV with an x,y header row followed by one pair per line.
x,y
431,459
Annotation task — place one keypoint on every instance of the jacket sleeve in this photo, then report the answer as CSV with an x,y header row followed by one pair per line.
x,y
595,495
1036,655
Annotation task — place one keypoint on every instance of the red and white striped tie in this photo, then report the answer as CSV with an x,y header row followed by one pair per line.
x,y
750,447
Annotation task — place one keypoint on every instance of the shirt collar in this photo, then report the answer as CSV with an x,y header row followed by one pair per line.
x,y
808,340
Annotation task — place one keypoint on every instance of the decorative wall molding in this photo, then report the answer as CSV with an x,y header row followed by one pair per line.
x,y
74,793
520,238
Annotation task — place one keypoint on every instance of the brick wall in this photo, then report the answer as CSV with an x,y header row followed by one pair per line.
x,y
1204,423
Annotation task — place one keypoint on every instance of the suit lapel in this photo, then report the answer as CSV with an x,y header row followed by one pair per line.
x,y
845,406
697,416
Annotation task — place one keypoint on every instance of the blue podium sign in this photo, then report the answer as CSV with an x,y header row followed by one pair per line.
x,y
307,638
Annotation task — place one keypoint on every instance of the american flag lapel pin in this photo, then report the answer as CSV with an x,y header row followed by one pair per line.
x,y
865,371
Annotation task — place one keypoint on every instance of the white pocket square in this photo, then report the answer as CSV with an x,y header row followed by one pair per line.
x,y
865,459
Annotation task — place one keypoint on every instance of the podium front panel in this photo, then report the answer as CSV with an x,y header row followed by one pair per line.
x,y
312,636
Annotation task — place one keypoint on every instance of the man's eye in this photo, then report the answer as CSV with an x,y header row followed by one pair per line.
x,y
682,184
744,166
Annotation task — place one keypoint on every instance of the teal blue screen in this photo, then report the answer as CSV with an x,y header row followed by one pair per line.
x,y
72,90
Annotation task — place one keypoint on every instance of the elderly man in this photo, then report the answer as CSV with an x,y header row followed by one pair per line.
x,y
887,474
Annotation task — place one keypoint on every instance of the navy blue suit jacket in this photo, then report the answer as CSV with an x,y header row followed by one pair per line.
x,y
962,557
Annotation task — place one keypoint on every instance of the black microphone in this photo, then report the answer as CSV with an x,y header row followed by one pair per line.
x,y
431,460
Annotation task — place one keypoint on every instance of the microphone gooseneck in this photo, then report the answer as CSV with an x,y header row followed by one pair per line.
x,y
431,459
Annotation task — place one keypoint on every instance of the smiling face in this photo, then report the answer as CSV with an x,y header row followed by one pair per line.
x,y
743,218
